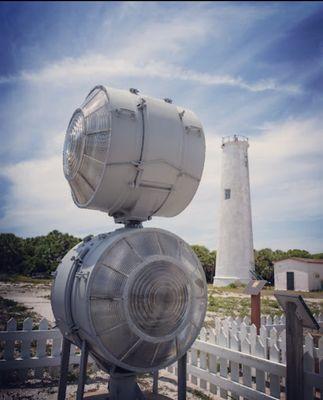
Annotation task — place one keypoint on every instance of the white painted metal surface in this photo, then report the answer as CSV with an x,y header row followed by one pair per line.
x,y
308,274
137,296
235,257
133,156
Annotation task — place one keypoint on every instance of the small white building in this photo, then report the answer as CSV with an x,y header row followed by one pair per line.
x,y
295,273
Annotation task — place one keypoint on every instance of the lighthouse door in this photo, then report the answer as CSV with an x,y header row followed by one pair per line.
x,y
290,281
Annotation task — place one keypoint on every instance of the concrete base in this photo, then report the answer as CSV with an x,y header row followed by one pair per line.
x,y
226,280
103,395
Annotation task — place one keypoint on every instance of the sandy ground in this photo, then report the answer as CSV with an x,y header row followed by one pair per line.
x,y
37,298
318,299
167,386
32,296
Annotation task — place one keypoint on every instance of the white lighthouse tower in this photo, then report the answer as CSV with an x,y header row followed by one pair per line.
x,y
235,258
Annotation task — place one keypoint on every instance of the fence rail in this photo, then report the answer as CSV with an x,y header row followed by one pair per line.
x,y
232,361
31,352
267,321
229,360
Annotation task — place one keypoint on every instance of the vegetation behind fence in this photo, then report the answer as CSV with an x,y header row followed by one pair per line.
x,y
39,256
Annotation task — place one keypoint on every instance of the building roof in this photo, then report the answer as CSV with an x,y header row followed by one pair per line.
x,y
307,260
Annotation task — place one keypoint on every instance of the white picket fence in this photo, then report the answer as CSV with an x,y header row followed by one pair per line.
x,y
31,352
229,360
267,321
233,362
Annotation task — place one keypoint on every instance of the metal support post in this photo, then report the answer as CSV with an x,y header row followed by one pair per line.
x,y
123,386
181,379
82,375
294,354
255,311
155,382
66,349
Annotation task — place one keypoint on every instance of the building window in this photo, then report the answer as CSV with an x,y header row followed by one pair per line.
x,y
227,194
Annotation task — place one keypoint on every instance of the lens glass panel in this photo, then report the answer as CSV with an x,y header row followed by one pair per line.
x,y
159,299
73,145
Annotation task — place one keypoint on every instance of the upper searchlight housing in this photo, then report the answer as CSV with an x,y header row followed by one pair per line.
x,y
133,156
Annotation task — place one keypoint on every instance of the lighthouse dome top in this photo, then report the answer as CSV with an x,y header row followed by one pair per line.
x,y
234,139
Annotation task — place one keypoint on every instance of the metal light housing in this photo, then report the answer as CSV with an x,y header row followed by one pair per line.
x,y
133,156
137,296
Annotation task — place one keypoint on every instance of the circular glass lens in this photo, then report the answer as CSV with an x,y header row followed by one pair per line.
x,y
73,145
159,298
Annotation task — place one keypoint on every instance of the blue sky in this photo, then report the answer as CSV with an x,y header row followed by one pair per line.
x,y
250,68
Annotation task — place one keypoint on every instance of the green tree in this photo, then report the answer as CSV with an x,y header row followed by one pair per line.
x,y
317,255
298,253
11,254
44,253
207,259
40,254
264,265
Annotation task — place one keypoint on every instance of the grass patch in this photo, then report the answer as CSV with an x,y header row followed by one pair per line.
x,y
267,291
232,286
270,307
25,279
12,309
229,306
199,395
240,306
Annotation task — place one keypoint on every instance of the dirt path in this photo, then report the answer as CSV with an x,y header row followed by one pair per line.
x,y
167,386
36,297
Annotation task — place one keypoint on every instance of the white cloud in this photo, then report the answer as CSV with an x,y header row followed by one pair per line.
x,y
287,172
75,70
123,47
39,199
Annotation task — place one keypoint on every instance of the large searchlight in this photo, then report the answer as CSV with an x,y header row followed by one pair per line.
x,y
133,156
135,298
